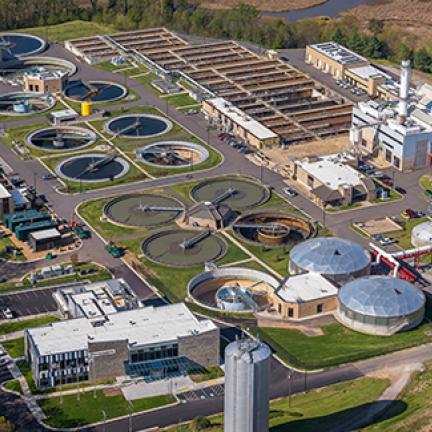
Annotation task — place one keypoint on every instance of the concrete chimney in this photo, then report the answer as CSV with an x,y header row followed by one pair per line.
x,y
405,80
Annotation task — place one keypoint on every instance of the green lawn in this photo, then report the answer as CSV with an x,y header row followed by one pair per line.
x,y
426,182
14,256
15,118
338,344
13,385
413,409
181,100
316,411
69,30
87,410
15,347
127,69
15,326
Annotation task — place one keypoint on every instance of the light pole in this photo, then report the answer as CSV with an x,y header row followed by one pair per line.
x,y
104,417
289,388
130,409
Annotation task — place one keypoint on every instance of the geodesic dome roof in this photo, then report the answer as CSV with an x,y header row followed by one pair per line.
x,y
330,255
381,296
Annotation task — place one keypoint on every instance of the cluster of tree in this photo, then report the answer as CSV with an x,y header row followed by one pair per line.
x,y
242,22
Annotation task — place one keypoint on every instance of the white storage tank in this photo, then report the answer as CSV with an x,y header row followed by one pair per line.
x,y
421,234
247,373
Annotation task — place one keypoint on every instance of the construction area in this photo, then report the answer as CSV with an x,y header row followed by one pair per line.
x,y
262,97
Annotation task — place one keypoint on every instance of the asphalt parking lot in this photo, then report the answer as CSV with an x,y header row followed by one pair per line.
x,y
215,391
29,302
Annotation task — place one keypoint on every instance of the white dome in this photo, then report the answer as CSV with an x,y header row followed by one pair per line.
x,y
422,234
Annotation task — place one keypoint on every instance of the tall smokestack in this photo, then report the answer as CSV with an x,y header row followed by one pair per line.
x,y
405,80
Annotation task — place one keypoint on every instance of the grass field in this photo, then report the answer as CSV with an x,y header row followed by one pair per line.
x,y
69,30
404,237
426,182
87,410
181,100
15,326
13,385
15,347
316,411
413,410
338,344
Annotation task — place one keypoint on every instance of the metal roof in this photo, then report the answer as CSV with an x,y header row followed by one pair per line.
x,y
248,350
330,255
423,232
381,296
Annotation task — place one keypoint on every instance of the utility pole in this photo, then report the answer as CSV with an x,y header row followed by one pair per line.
x,y
104,418
289,388
130,410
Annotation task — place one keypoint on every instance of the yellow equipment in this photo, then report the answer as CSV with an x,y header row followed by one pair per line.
x,y
85,108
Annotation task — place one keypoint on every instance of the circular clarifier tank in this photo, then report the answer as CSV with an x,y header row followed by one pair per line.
x,y
94,91
61,138
272,228
234,192
138,126
20,45
22,103
180,248
143,210
92,167
172,154
237,289
17,68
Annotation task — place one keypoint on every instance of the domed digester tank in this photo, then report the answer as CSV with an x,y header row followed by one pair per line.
x,y
247,372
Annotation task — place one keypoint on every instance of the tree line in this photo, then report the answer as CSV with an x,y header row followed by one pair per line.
x,y
243,22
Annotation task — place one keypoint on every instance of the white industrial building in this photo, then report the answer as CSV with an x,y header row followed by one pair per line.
x,y
96,299
399,135
151,342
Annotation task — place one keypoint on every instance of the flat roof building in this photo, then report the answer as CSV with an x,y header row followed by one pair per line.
x,y
342,63
96,299
305,295
225,115
331,180
152,342
46,239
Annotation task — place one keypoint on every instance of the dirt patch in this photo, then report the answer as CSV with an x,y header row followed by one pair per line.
x,y
314,148
111,392
268,5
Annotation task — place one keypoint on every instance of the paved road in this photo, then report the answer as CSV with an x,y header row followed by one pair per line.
x,y
234,163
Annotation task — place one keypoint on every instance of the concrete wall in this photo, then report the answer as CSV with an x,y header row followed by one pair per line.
x,y
109,358
202,349
306,309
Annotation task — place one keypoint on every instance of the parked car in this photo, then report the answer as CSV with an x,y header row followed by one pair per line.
x,y
290,192
409,214
7,313
387,181
4,361
401,190
428,193
48,177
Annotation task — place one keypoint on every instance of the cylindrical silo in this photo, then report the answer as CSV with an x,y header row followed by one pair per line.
x,y
247,372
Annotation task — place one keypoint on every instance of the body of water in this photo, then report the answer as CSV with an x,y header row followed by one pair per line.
x,y
330,8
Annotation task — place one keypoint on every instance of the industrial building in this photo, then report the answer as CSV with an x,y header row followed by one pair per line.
x,y
149,342
261,98
97,299
52,82
342,63
380,305
208,215
23,223
398,136
337,259
247,376
421,235
331,180
305,295
44,240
